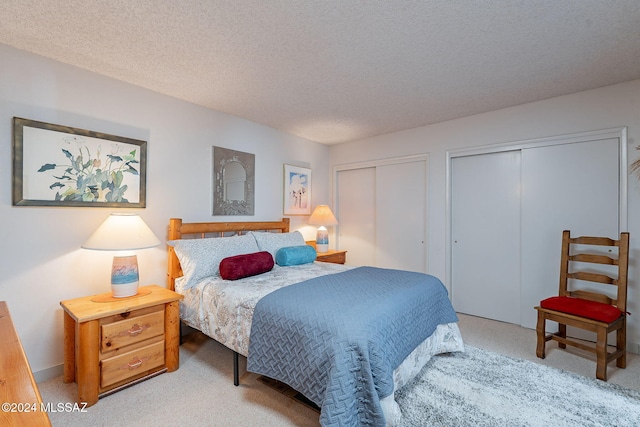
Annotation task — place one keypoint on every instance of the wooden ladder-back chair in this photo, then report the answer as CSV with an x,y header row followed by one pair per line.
x,y
585,309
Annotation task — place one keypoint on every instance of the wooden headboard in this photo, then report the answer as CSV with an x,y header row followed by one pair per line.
x,y
178,230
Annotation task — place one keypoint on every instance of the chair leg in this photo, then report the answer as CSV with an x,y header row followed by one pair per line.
x,y
540,330
621,344
601,354
562,332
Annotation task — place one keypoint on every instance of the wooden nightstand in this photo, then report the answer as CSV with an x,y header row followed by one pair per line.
x,y
111,343
336,257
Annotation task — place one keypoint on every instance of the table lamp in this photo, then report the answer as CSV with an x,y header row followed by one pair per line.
x,y
123,233
323,217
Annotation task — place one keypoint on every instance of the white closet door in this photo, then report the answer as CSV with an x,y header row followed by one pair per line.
x,y
356,214
485,227
565,187
401,200
381,209
557,186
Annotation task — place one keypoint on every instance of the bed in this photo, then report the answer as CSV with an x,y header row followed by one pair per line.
x,y
232,294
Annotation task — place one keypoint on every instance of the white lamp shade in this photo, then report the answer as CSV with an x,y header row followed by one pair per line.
x,y
122,232
322,215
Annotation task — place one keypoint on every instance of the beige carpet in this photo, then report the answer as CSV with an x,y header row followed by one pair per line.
x,y
515,341
201,392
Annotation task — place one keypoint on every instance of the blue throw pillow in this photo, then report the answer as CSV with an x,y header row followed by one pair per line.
x,y
295,255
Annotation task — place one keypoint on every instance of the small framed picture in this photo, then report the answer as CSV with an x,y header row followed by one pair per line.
x,y
297,190
56,165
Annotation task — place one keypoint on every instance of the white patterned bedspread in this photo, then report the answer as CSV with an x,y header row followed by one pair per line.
x,y
223,309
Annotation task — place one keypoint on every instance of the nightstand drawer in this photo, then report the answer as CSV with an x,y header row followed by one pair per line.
x,y
130,364
129,331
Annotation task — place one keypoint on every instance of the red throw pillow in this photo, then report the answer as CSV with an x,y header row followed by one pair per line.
x,y
239,266
580,307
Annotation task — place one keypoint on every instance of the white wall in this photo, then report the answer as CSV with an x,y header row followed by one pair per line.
x,y
42,262
608,107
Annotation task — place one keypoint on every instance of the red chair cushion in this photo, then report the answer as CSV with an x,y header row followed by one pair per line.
x,y
583,308
239,266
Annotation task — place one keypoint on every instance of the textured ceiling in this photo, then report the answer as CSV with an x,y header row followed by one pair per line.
x,y
339,70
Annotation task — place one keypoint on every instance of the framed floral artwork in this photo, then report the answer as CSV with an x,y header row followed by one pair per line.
x,y
56,165
297,190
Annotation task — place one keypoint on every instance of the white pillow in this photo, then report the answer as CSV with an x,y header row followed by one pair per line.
x,y
200,258
271,242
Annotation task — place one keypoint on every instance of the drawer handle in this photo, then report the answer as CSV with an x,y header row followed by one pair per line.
x,y
135,330
135,364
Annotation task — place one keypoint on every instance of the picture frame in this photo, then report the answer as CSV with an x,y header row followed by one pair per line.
x,y
56,165
297,190
233,182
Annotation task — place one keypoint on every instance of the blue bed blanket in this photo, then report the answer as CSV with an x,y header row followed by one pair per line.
x,y
338,338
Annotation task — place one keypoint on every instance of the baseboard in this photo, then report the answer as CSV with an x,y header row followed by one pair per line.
x,y
47,374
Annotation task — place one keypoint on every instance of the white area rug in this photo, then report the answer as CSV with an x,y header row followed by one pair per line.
x,y
480,388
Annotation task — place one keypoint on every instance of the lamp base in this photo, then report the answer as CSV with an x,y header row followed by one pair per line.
x,y
123,291
322,247
124,276
322,239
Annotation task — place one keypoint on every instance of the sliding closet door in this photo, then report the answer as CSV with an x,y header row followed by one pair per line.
x,y
565,187
356,209
381,209
401,200
485,235
508,211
